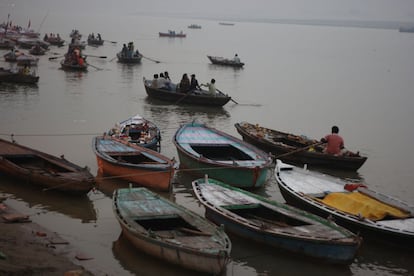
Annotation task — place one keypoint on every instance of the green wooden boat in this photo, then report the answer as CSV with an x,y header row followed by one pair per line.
x,y
171,232
204,150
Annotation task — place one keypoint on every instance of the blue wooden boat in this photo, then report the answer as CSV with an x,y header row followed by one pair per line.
x,y
171,232
377,217
276,224
204,150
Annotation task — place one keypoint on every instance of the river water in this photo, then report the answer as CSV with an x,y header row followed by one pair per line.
x,y
298,78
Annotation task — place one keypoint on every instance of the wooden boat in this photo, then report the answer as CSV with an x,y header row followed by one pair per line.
x,y
50,172
28,43
199,97
297,149
375,216
194,26
138,130
171,232
54,40
172,34
226,24
129,59
95,41
27,60
37,51
6,43
17,77
69,66
204,150
275,224
133,163
225,61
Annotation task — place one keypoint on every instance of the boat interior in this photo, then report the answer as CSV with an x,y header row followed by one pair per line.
x,y
221,152
35,162
262,214
168,223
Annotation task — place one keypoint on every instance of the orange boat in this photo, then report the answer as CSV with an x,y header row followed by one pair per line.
x,y
133,163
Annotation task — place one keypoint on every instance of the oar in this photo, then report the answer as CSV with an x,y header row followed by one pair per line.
x,y
182,98
94,56
156,61
55,57
110,41
97,68
112,58
298,150
226,95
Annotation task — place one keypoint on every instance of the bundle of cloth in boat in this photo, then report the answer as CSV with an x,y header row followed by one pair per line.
x,y
363,206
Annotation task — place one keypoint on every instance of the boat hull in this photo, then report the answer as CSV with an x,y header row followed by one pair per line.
x,y
153,175
50,172
203,150
183,98
191,252
368,229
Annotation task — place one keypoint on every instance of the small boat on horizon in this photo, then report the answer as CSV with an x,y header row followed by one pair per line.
x,y
172,34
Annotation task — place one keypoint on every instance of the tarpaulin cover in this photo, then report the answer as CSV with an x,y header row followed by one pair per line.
x,y
362,205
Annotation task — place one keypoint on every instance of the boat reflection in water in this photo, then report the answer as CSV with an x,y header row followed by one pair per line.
x,y
74,206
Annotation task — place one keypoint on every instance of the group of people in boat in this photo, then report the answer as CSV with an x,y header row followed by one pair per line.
x,y
51,36
186,85
129,51
92,37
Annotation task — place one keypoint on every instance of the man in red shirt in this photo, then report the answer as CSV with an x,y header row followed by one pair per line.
x,y
335,143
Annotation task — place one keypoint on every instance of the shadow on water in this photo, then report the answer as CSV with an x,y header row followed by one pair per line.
x,y
77,207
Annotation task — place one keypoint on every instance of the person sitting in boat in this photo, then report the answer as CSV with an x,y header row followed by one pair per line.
x,y
211,87
185,84
334,142
194,83
26,70
124,50
236,58
99,37
155,82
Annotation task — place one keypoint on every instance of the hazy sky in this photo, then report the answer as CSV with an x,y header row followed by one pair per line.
x,y
382,10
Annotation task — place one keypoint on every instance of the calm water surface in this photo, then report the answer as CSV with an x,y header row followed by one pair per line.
x,y
299,79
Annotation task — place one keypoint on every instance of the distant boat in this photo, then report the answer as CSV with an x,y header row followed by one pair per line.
x,y
172,34
95,40
133,163
42,169
275,224
297,149
226,23
170,232
17,77
138,130
406,29
203,150
375,216
225,61
194,26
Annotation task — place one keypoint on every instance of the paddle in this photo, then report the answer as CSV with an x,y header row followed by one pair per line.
x,y
55,57
112,58
110,41
94,56
298,150
226,95
182,98
156,61
97,68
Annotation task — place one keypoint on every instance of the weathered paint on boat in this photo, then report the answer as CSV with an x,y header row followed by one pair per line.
x,y
171,232
36,167
133,163
203,150
305,189
279,225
